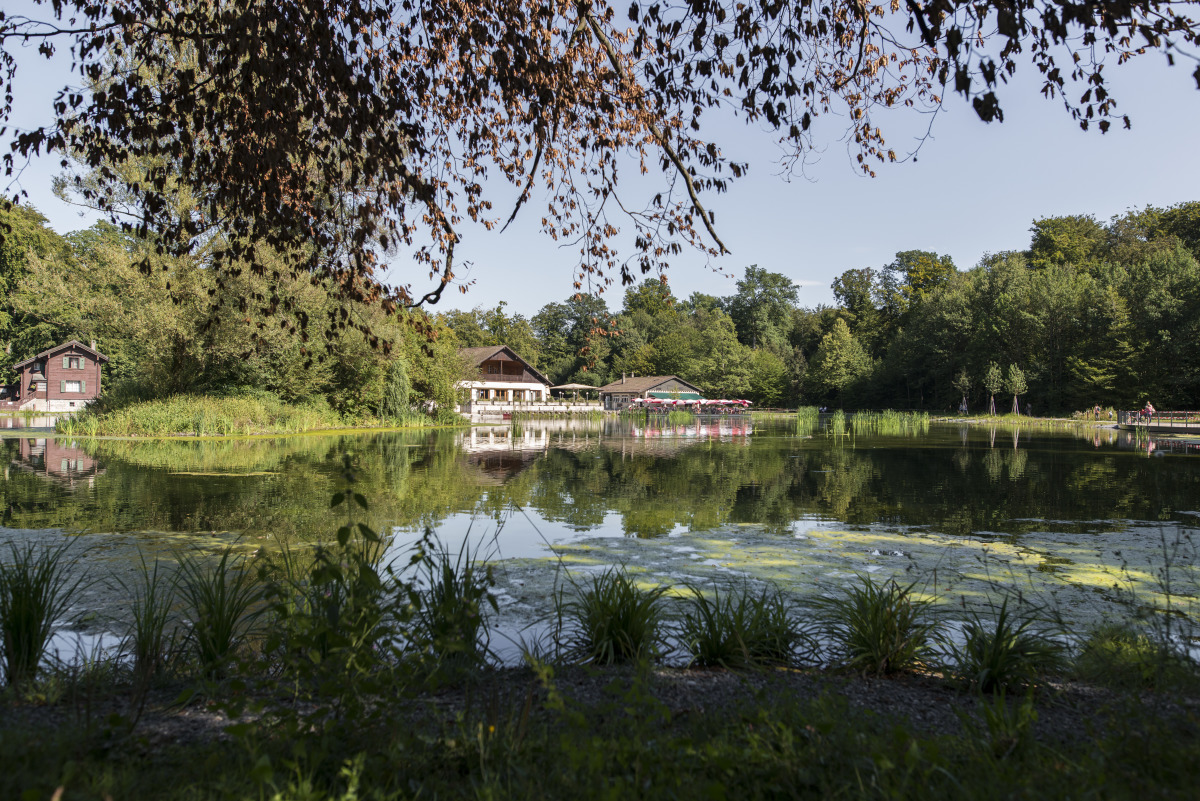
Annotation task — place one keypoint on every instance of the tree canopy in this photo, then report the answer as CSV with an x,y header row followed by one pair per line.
x,y
328,137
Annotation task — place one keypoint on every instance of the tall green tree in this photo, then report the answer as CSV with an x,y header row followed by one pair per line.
x,y
1077,240
962,383
1016,385
762,306
839,362
993,382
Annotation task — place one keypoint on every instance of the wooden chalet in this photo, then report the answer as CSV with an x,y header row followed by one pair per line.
x,y
503,376
64,378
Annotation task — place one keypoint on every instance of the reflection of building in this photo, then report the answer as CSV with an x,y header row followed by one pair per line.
x,y
503,376
62,379
618,394
500,452
55,458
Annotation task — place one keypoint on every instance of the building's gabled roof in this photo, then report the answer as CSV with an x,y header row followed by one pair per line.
x,y
478,356
644,383
100,357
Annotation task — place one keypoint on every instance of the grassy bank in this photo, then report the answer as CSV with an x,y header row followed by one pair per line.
x,y
1026,421
624,734
243,414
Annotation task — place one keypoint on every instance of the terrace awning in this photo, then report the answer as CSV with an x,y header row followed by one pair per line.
x,y
675,395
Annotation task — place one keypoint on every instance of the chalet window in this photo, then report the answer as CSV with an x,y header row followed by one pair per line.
x,y
72,386
493,369
72,362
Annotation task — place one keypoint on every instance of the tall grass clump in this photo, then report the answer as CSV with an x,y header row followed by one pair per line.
x,y
738,628
837,424
36,589
150,640
220,601
681,418
203,415
1005,650
450,624
331,611
613,621
807,420
878,628
890,423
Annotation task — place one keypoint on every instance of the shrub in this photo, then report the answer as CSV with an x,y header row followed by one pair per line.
x,y
878,628
1116,655
220,602
613,621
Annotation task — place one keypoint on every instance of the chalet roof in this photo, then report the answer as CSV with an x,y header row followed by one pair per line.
x,y
478,356
644,383
100,357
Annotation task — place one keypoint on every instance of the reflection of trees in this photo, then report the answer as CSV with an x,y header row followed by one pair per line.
x,y
993,464
282,487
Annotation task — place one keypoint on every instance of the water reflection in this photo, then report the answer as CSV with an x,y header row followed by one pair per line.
x,y
19,422
700,500
634,478
57,459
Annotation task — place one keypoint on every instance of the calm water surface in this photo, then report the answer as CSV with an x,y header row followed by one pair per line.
x,y
1073,519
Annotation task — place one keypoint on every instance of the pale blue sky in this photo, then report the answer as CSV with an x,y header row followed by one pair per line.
x,y
974,189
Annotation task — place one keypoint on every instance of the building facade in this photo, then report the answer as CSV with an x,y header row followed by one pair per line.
x,y
503,376
617,395
65,378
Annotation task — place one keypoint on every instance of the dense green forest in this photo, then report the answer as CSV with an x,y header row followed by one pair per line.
x,y
183,329
1091,313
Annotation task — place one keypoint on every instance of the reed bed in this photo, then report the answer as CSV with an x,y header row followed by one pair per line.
x,y
808,418
890,423
204,416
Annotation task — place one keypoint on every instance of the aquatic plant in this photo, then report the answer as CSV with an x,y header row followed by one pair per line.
x,y
1005,650
36,589
681,418
807,420
890,423
612,620
878,628
204,415
220,602
837,424
739,628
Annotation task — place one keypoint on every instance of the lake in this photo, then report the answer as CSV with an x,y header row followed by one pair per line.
x,y
1081,521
